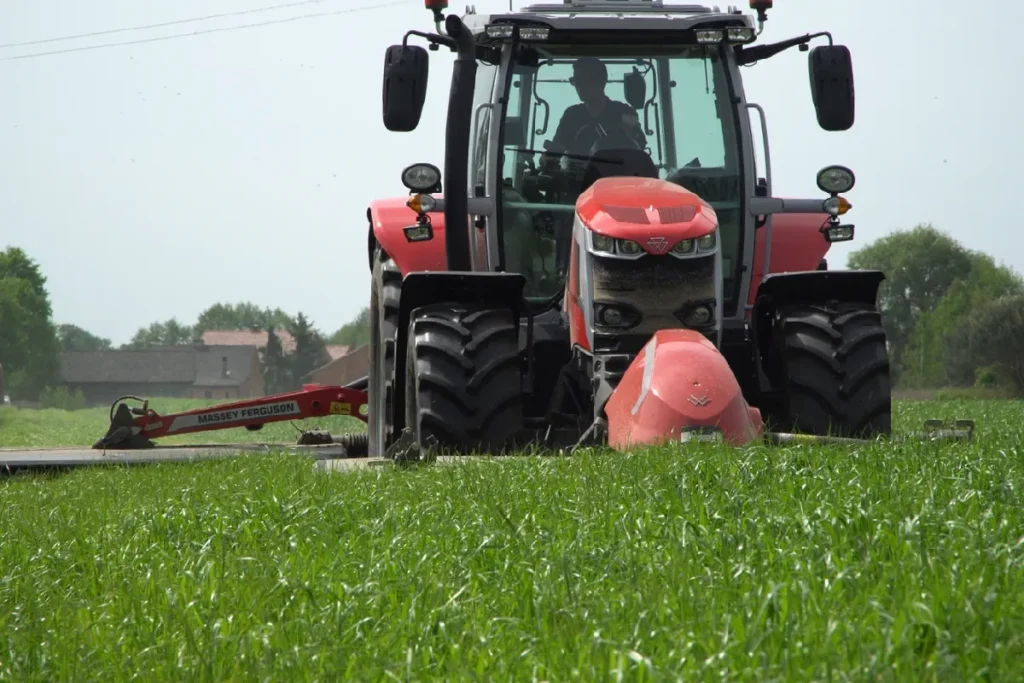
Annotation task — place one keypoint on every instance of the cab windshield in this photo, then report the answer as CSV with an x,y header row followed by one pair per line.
x,y
584,112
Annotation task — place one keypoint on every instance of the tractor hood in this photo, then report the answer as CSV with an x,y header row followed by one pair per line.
x,y
654,213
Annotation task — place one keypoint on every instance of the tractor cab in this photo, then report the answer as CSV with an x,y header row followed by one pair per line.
x,y
652,112
664,98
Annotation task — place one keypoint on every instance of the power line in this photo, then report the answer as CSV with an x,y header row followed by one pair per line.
x,y
177,22
206,31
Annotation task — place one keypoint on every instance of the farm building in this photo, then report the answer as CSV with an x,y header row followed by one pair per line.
x,y
201,371
258,338
343,369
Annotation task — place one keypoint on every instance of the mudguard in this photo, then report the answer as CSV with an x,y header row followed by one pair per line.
x,y
818,286
387,219
797,245
679,383
423,288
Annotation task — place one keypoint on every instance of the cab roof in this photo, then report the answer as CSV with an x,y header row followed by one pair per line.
x,y
630,15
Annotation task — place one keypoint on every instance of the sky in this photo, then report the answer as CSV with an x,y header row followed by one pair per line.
x,y
153,180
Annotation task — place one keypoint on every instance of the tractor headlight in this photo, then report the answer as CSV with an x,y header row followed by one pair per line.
x,y
629,248
684,247
421,178
603,244
700,246
835,179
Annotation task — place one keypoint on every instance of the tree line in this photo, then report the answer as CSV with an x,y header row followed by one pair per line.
x,y
952,315
953,318
31,342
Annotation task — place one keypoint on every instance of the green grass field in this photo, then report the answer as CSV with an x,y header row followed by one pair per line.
x,y
898,562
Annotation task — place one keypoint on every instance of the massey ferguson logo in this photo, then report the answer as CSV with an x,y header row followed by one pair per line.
x,y
699,401
658,244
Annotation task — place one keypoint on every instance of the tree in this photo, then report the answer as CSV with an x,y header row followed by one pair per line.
x,y
170,333
285,373
990,336
29,348
274,365
310,349
74,338
354,333
927,360
240,316
920,266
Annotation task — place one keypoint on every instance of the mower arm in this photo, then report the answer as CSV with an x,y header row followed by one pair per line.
x,y
132,428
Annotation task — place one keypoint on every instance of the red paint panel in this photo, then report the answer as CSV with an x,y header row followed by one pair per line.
x,y
389,217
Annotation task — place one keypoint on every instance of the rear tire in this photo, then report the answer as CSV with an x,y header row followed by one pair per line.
x,y
464,379
385,291
835,371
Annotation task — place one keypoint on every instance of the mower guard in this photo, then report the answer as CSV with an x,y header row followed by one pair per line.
x,y
679,385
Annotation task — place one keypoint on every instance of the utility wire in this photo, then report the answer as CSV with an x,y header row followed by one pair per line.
x,y
206,31
177,22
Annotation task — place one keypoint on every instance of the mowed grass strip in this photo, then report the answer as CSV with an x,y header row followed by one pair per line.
x,y
802,563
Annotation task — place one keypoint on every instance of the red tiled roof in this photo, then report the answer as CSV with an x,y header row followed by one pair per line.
x,y
247,338
336,351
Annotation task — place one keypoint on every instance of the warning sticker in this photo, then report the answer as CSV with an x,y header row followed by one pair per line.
x,y
230,415
338,408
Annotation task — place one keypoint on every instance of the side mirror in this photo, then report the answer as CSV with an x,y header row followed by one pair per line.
x,y
831,73
635,89
405,86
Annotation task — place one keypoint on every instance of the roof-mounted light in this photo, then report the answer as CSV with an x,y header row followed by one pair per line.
x,y
534,32
736,34
741,35
710,36
500,31
527,33
436,5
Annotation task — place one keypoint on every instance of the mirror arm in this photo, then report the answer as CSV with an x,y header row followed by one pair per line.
x,y
748,55
433,38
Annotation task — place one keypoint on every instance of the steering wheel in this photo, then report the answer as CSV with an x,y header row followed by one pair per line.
x,y
597,137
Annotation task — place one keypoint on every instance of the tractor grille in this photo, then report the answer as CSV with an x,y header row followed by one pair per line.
x,y
660,288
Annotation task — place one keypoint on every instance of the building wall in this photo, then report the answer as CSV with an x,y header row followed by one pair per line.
x,y
344,370
252,387
107,393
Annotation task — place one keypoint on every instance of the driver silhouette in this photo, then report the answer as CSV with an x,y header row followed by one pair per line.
x,y
596,116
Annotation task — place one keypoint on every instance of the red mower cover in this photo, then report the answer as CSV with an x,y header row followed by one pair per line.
x,y
678,383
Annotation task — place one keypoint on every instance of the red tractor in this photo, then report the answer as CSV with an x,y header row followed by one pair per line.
x,y
597,270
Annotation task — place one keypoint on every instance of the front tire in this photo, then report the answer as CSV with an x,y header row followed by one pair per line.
x,y
834,366
385,291
464,379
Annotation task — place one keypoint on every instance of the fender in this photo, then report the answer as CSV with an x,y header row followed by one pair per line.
x,y
797,245
808,287
817,287
387,218
421,288
679,383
